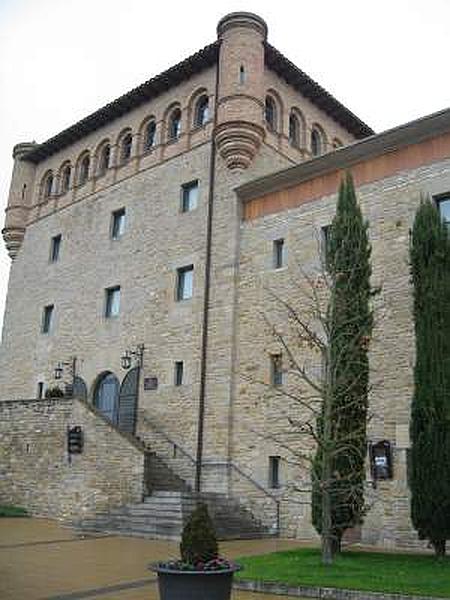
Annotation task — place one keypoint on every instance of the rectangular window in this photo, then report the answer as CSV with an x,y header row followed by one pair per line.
x,y
324,241
118,224
274,471
112,305
179,368
47,316
276,369
185,282
189,196
40,390
55,247
443,204
278,254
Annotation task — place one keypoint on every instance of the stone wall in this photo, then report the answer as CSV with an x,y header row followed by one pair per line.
x,y
37,473
260,426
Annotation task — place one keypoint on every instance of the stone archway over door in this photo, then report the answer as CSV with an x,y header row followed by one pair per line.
x,y
128,401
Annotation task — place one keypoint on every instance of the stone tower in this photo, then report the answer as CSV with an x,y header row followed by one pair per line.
x,y
19,199
240,129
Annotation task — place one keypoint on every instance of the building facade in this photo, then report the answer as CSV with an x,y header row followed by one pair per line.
x,y
150,236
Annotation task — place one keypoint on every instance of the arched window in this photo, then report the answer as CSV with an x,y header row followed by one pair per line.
x,y
125,148
106,396
175,124
66,174
48,185
83,174
294,130
201,111
104,159
271,113
316,142
149,135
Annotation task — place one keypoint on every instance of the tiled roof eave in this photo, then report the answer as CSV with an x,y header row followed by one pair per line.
x,y
196,63
294,76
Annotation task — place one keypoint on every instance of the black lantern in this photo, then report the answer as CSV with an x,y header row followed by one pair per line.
x,y
125,360
129,355
58,371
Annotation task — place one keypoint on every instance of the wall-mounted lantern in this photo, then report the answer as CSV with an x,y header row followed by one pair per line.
x,y
381,460
130,356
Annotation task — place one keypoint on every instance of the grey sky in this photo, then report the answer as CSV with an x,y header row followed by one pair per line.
x,y
61,59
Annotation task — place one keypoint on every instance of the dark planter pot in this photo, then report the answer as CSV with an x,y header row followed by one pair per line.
x,y
194,585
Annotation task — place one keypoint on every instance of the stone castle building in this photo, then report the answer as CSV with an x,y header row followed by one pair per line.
x,y
146,243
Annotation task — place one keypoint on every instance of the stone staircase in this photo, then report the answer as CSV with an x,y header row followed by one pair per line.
x,y
159,477
167,504
163,514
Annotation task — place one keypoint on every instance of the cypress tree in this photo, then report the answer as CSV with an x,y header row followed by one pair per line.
x,y
338,470
429,472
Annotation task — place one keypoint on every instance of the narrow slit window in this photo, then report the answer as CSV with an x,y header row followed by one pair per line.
x,y
185,283
55,248
47,318
189,196
241,74
274,472
118,224
112,305
179,372
276,367
278,254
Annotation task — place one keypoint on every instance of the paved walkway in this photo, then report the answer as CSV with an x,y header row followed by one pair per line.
x,y
40,560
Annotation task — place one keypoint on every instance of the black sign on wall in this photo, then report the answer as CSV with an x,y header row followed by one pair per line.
x,y
381,460
150,383
75,440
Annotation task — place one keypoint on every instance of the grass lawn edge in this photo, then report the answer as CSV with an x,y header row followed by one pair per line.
x,y
355,574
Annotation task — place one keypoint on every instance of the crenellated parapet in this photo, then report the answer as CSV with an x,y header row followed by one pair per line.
x,y
19,199
240,125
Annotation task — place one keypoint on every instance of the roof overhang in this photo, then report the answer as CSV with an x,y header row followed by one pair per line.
x,y
388,141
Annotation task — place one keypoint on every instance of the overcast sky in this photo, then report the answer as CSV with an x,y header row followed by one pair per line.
x,y
62,59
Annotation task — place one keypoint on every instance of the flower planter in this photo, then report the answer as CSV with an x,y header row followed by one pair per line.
x,y
194,585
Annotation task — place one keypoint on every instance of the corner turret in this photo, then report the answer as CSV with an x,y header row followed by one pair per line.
x,y
20,193
240,128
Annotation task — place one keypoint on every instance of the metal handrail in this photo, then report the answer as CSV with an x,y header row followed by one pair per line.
x,y
230,464
170,440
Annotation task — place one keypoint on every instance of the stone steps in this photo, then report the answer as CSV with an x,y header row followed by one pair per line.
x,y
163,514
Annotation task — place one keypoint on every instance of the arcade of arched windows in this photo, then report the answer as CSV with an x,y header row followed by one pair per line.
x,y
175,122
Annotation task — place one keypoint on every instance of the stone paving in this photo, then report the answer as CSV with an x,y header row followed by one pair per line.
x,y
40,560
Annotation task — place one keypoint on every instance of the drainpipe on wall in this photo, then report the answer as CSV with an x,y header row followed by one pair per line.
x,y
201,407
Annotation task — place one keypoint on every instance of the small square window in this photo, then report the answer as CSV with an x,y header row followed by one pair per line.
x,y
179,368
112,306
118,224
189,196
443,204
55,247
278,254
274,472
47,317
276,365
185,282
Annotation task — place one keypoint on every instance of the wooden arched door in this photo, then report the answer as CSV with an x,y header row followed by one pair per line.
x,y
128,399
106,396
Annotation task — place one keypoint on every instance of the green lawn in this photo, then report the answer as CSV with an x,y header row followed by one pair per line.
x,y
368,571
12,511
